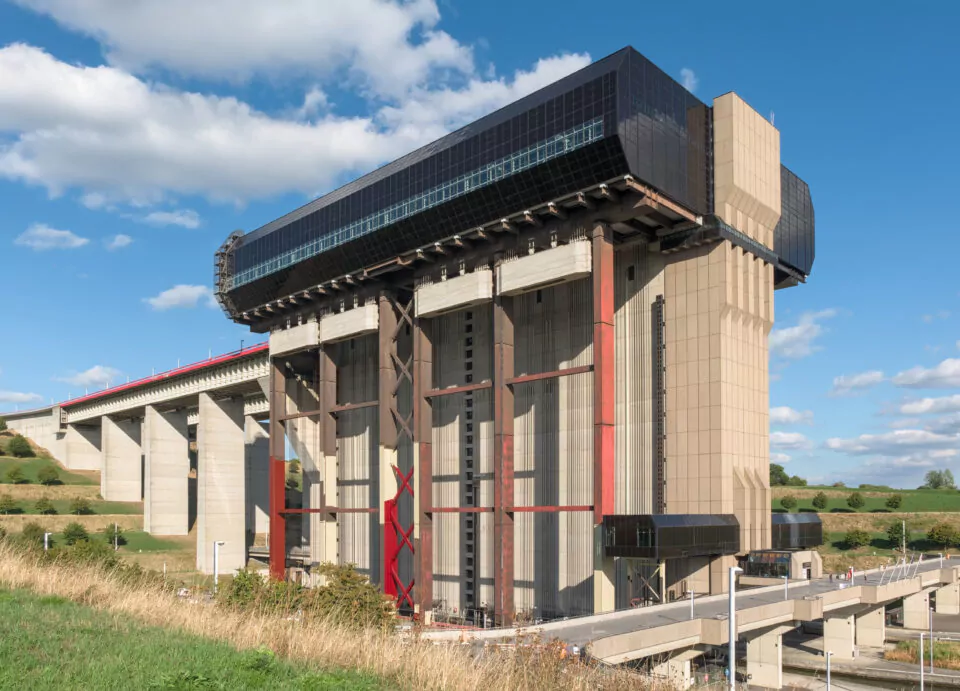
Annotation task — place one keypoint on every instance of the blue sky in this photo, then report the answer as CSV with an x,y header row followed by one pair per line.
x,y
135,137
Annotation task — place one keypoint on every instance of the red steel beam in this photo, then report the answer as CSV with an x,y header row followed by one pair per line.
x,y
547,509
422,438
297,416
604,374
503,364
570,371
466,388
353,406
277,471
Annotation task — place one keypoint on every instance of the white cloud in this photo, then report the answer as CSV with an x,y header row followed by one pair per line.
x,y
186,218
779,458
945,424
851,383
384,46
42,237
946,375
314,102
96,376
795,342
788,440
689,79
923,459
118,241
942,404
930,318
895,443
117,138
785,415
958,345
19,397
182,296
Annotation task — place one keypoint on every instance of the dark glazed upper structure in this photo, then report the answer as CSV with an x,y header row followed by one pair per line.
x,y
619,116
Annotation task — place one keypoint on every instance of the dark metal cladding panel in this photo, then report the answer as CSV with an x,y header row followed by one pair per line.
x,y
796,531
794,239
670,536
666,133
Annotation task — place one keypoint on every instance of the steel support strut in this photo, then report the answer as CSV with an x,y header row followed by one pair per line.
x,y
277,471
604,374
503,494
422,437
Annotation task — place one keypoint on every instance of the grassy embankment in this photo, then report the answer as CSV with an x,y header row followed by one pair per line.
x,y
51,641
946,654
920,508
125,605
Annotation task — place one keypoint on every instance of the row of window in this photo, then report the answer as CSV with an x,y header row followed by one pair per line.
x,y
524,159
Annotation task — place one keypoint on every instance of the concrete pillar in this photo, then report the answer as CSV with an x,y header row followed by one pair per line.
x,y
675,671
121,477
916,611
82,447
166,468
948,599
221,485
604,576
871,628
257,453
839,636
326,494
765,659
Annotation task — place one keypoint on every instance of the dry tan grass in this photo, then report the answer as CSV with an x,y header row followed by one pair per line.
x,y
53,492
15,523
406,662
803,492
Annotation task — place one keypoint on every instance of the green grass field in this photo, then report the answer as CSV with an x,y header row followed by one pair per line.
x,y
139,541
833,543
914,501
52,643
31,466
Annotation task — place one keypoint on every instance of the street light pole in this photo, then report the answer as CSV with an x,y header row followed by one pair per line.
x,y
732,627
921,661
829,654
931,641
786,587
217,544
46,541
692,594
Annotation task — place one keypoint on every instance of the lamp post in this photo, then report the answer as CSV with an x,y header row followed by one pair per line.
x,y
46,541
732,627
931,641
828,654
786,587
920,657
692,594
217,544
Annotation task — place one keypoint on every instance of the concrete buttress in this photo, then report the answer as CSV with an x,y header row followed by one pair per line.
x,y
121,476
166,468
871,628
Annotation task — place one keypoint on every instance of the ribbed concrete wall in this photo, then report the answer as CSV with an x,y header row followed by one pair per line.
x,y
257,458
304,437
358,454
553,451
462,459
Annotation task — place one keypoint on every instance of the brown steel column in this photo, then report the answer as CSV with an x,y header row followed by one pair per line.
x,y
277,470
503,495
327,462
604,373
423,438
387,404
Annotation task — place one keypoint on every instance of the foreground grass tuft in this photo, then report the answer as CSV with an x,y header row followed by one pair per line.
x,y
51,642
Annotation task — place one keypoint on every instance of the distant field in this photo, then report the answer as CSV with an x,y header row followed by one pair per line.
x,y
52,643
31,466
914,501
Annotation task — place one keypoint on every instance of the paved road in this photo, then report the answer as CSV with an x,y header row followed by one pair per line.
x,y
579,631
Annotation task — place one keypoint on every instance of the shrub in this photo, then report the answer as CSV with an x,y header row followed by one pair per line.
x,y
15,475
111,531
294,466
943,534
48,475
894,501
80,506
855,501
32,533
856,538
292,483
797,481
3,424
820,501
8,505
895,534
85,551
74,533
45,506
19,447
3,533
789,502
